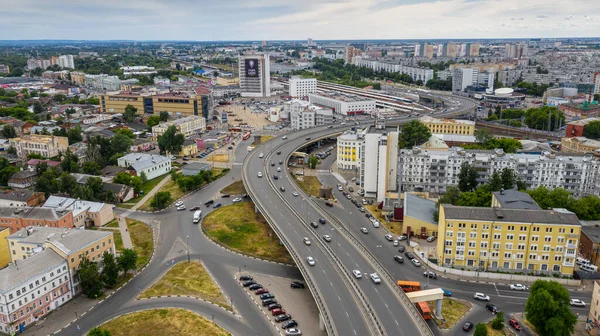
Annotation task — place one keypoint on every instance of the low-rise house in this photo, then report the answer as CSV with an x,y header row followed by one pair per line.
x,y
85,213
123,193
111,171
419,216
20,198
151,165
194,168
189,148
32,164
16,218
23,179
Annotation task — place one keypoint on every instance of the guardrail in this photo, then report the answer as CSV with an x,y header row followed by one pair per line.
x,y
329,326
374,325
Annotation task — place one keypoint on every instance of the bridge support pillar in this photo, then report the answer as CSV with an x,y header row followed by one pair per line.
x,y
438,309
321,322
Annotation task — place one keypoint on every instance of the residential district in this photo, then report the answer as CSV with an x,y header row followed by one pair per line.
x,y
476,161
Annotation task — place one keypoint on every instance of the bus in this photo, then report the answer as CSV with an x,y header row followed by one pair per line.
x,y
409,286
235,129
424,310
246,135
197,216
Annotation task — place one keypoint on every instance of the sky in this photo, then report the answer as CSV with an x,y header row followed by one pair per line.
x,y
214,20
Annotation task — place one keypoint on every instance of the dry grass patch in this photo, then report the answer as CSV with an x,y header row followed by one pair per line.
x,y
188,279
218,158
452,311
238,227
394,227
113,223
236,188
265,138
143,243
163,322
310,184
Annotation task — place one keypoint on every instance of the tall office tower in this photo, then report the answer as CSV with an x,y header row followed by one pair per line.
x,y
255,77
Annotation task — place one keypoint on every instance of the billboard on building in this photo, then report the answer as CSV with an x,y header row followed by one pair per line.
x,y
251,67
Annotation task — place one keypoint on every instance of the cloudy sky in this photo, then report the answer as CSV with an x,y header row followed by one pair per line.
x,y
208,20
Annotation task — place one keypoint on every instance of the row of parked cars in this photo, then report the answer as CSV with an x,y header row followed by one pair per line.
x,y
268,300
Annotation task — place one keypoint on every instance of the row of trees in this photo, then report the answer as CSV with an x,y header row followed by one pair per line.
x,y
592,130
547,118
53,181
485,140
93,280
533,89
414,133
586,208
157,119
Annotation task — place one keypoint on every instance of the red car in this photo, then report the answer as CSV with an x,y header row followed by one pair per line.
x,y
277,311
515,324
261,291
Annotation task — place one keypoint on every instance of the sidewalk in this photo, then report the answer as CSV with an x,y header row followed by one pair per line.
x,y
150,194
125,233
60,317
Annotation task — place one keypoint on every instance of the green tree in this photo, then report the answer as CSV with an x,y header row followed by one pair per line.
x,y
547,308
126,132
597,96
495,181
11,150
163,116
556,198
521,185
130,113
122,178
413,133
481,197
74,135
98,332
161,200
544,118
48,183
509,178
91,167
9,132
592,130
120,144
110,271
37,107
89,279
450,196
69,162
171,141
377,86
482,135
143,177
467,178
481,330
313,161
153,121
93,101
68,183
498,321
127,260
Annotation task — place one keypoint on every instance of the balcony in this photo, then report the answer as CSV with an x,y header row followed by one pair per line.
x,y
571,246
459,257
571,264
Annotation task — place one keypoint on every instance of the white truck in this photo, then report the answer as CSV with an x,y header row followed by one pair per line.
x,y
197,216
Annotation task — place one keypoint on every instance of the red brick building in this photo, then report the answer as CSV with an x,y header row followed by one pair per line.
x,y
575,128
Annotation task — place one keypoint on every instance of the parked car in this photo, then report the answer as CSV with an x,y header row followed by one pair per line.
x,y
409,255
181,207
267,302
236,200
245,277
401,249
468,326
255,287
430,274
396,243
519,287
430,238
179,203
248,283
481,296
261,291
389,237
416,262
329,204
577,303
403,237
282,317
289,324
515,324
399,259
277,311
492,308
267,296
273,306
296,284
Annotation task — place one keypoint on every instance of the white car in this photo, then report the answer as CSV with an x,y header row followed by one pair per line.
x,y
364,230
181,207
310,261
376,224
293,332
306,240
577,303
295,194
340,188
389,237
279,169
327,238
357,274
259,174
237,199
416,262
396,243
376,279
261,155
481,296
284,137
519,287
180,203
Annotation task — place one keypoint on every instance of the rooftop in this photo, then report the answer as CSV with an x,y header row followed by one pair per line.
x,y
75,205
140,161
67,240
431,120
513,199
16,274
554,217
22,195
342,96
591,231
37,138
583,122
419,208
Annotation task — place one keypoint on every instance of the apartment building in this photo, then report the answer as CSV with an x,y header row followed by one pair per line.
x,y
344,104
16,218
188,126
301,87
449,126
513,240
596,82
594,314
465,77
255,75
31,289
4,249
179,104
433,171
379,154
304,115
151,165
85,213
580,145
71,245
349,146
415,73
518,50
45,145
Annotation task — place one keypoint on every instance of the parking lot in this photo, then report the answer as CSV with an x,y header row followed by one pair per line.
x,y
297,302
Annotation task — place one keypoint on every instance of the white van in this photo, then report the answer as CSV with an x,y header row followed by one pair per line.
x,y
197,216
589,268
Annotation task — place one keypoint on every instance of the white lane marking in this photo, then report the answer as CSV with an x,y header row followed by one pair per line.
x,y
347,314
354,330
396,322
331,283
497,292
386,306
339,298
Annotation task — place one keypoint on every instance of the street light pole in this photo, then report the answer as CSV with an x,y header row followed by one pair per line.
x,y
188,247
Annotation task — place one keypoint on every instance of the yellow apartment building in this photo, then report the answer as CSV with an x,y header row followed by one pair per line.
x,y
188,126
516,240
449,126
4,250
349,146
579,145
73,245
46,145
177,103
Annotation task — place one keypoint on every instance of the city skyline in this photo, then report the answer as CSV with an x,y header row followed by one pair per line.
x,y
270,20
